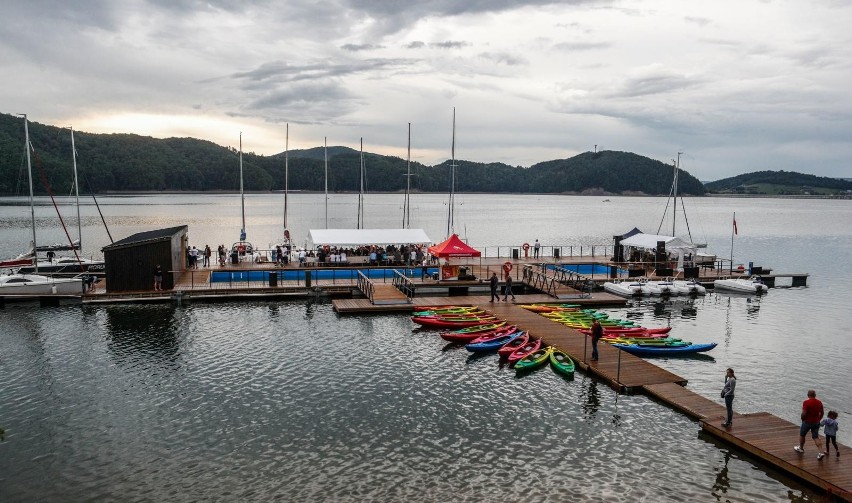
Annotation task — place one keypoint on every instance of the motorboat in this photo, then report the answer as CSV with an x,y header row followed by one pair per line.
x,y
663,287
691,287
35,284
623,288
65,266
742,285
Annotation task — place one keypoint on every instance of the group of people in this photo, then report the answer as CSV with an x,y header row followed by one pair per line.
x,y
813,418
193,254
507,288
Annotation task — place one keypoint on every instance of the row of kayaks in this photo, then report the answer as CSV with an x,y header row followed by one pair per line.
x,y
635,288
481,332
515,346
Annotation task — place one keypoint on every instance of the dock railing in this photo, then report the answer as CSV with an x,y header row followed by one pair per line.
x,y
549,252
366,286
403,284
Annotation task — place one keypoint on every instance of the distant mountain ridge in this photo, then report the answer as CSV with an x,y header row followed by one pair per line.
x,y
779,183
128,162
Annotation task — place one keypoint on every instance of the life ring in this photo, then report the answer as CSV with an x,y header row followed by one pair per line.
x,y
526,246
507,267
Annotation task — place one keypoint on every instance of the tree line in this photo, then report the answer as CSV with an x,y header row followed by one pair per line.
x,y
128,162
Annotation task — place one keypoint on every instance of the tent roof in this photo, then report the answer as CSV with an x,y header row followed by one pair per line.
x,y
454,247
630,233
359,237
649,241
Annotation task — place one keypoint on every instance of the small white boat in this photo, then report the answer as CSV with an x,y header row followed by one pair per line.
x,y
661,287
691,287
34,284
742,285
623,288
65,265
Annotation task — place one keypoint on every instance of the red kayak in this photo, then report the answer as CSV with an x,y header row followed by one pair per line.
x,y
490,337
514,344
466,337
437,322
530,347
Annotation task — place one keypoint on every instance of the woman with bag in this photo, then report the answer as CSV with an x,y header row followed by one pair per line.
x,y
728,395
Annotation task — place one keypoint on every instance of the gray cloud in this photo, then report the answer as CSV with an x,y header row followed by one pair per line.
x,y
450,44
360,47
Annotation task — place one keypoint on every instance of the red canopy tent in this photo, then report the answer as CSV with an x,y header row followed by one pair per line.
x,y
453,247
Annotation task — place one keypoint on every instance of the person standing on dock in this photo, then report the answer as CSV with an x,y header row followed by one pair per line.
x,y
597,333
830,431
493,283
536,248
812,413
207,254
508,288
728,395
158,278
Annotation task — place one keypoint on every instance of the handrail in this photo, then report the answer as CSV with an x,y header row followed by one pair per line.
x,y
366,286
403,284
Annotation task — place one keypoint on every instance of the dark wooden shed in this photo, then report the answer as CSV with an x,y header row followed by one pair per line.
x,y
130,262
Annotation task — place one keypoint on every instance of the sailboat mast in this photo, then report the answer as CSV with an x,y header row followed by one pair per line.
x,y
76,192
674,191
242,193
325,155
361,190
30,177
406,209
733,232
450,216
286,172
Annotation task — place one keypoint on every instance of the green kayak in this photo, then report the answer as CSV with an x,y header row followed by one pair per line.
x,y
533,360
561,362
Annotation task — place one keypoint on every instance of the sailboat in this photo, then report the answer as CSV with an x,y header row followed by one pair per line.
x,y
35,284
699,258
242,248
67,265
452,200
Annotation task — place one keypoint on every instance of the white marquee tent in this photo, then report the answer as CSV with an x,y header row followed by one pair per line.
x,y
674,245
359,237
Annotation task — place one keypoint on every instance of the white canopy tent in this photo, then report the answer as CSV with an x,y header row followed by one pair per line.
x,y
674,245
359,237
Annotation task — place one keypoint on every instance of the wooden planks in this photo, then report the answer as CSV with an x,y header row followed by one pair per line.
x,y
387,294
772,439
687,402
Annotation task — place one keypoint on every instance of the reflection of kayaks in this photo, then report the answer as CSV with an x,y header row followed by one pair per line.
x,y
650,350
468,334
534,360
561,362
486,344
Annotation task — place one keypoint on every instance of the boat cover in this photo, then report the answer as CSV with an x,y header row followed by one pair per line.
x,y
353,237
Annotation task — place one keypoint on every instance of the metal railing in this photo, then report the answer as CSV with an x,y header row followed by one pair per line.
x,y
366,286
548,252
403,284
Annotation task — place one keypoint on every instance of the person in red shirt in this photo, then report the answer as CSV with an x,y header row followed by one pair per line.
x,y
811,416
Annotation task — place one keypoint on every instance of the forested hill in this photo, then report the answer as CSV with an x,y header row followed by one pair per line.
x,y
779,183
127,162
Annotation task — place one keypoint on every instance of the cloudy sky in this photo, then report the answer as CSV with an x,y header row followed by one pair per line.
x,y
736,85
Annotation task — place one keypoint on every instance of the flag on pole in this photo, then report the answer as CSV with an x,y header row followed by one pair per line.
x,y
735,225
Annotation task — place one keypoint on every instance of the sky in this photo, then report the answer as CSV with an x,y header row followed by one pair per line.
x,y
735,85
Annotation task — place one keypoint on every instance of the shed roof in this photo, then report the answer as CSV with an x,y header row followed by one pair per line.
x,y
146,237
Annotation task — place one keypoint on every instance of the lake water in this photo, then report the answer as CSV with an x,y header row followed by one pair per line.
x,y
288,401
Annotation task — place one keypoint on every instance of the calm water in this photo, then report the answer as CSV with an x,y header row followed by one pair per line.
x,y
288,401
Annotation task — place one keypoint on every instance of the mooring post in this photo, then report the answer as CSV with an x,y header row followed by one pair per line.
x,y
585,342
618,371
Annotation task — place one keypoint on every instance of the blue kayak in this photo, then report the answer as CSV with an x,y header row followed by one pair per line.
x,y
652,350
493,344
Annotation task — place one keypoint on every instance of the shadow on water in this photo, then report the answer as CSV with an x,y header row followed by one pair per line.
x,y
150,330
590,398
798,492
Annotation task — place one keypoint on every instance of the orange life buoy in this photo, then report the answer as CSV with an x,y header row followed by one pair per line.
x,y
507,266
526,246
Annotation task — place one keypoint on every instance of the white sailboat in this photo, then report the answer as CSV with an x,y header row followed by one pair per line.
x,y
36,284
68,265
243,249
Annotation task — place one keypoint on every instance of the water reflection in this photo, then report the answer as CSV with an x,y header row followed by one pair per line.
x,y
148,330
722,483
590,398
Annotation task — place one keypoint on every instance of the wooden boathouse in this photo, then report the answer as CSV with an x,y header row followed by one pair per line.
x,y
130,262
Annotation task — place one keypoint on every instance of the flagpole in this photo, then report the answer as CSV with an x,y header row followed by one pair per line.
x,y
733,231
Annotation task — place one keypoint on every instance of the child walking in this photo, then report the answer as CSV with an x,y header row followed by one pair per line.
x,y
830,432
